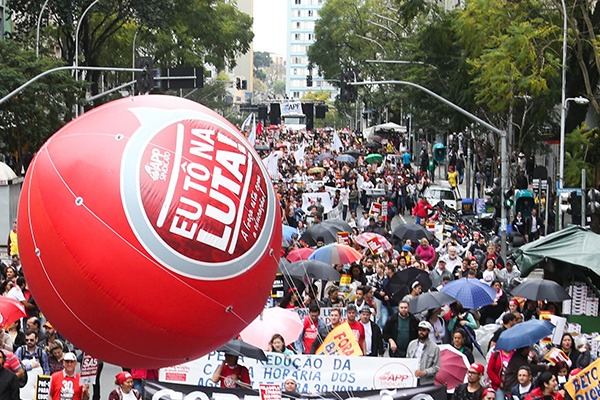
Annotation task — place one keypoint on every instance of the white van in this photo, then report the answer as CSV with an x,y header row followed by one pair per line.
x,y
435,194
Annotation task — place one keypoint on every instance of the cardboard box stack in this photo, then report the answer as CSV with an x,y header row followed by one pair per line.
x,y
583,300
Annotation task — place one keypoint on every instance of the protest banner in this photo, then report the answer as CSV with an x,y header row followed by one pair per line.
x,y
340,341
42,387
585,384
344,238
375,209
89,369
170,391
313,373
270,392
374,245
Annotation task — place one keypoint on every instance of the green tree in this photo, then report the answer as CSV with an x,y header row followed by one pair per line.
x,y
28,119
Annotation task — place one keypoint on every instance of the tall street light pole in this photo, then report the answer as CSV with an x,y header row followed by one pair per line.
x,y
76,64
37,33
563,109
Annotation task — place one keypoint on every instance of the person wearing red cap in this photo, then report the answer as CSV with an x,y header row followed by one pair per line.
x,y
472,389
124,390
489,394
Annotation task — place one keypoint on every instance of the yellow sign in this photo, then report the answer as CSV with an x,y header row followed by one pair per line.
x,y
585,384
340,342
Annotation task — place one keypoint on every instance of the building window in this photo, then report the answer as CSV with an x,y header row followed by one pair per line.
x,y
296,36
296,95
297,25
310,13
298,2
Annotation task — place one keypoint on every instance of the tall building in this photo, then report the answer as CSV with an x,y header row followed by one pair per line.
x,y
6,22
244,69
302,15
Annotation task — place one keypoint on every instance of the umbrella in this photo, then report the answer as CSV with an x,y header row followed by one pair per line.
x,y
262,147
274,320
336,253
472,293
413,232
11,310
353,153
288,231
323,156
408,275
341,226
429,300
541,289
327,232
524,334
299,254
455,368
345,158
373,145
313,269
374,158
239,348
363,238
376,138
316,170
284,265
396,290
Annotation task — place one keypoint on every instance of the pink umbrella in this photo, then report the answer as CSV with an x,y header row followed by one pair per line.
x,y
299,254
363,238
274,320
455,368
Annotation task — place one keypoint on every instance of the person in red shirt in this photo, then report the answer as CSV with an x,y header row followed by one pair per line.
x,y
232,375
421,210
65,384
357,327
311,325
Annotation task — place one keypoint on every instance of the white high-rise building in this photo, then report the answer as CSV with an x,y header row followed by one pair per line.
x,y
302,15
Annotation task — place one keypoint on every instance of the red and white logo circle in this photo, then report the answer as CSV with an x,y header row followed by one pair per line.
x,y
213,215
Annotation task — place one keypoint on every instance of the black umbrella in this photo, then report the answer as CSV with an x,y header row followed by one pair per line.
x,y
238,348
429,300
341,226
284,265
396,290
541,289
373,145
262,147
354,153
327,232
408,275
413,232
313,269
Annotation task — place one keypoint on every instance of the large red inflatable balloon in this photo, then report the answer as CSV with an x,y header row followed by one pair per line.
x,y
149,231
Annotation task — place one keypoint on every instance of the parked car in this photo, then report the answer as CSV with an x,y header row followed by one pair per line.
x,y
435,194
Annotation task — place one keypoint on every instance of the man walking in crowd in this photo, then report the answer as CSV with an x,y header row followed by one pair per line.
x,y
472,389
32,355
399,330
311,324
356,327
335,319
65,384
373,336
428,354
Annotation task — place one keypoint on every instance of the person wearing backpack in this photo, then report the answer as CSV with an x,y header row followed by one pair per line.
x,y
32,355
496,370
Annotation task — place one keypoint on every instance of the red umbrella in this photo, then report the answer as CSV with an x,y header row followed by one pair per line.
x,y
300,254
455,368
10,310
363,238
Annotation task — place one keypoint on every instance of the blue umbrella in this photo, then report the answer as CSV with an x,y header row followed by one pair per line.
x,y
471,292
524,334
345,158
288,231
323,156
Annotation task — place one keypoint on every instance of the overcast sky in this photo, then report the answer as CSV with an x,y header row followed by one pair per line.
x,y
270,18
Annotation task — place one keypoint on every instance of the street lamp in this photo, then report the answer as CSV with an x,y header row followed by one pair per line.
x,y
37,33
77,45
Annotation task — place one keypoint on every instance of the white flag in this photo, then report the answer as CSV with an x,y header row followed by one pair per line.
x,y
252,135
337,142
299,154
246,122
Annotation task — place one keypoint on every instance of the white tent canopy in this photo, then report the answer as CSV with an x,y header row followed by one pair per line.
x,y
388,127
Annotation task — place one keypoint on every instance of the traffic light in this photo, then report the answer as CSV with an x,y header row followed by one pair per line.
x,y
309,81
144,80
593,209
348,93
497,194
508,199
